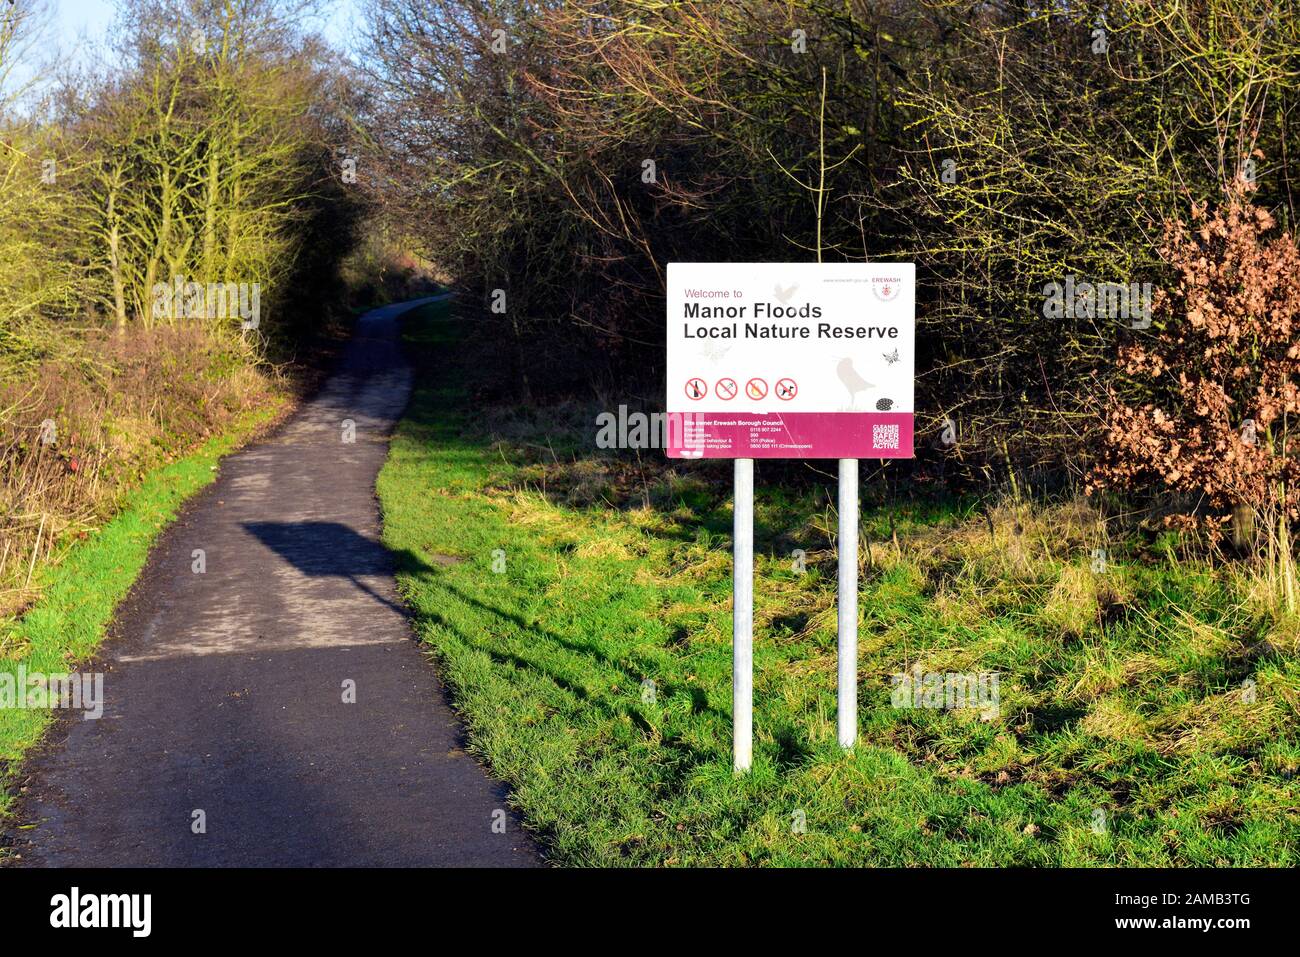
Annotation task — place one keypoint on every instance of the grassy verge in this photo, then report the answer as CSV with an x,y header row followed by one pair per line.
x,y
1147,704
87,421
79,594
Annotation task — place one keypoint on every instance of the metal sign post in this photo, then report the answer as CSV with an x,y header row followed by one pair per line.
x,y
847,686
742,619
791,361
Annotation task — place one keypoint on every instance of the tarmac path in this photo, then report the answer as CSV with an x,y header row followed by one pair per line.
x,y
225,691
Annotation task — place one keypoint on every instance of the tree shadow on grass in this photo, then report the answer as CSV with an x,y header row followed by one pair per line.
x,y
682,755
331,549
590,650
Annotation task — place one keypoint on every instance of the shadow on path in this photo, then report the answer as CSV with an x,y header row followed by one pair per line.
x,y
318,549
278,696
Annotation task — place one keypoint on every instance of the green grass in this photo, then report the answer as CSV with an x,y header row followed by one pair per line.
x,y
1122,693
80,593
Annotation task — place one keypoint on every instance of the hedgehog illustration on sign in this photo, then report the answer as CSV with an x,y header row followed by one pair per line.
x,y
884,405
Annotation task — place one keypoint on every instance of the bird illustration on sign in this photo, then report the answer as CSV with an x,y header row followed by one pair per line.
x,y
852,381
784,294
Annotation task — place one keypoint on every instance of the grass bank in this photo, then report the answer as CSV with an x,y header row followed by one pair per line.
x,y
87,421
79,594
579,607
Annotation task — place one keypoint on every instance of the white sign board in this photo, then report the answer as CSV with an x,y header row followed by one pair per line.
x,y
791,360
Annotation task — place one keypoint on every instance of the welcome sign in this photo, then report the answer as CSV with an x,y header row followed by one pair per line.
x,y
791,360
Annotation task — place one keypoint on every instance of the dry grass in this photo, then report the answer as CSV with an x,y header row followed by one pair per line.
x,y
85,423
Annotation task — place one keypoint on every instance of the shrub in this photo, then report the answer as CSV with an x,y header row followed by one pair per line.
x,y
1203,406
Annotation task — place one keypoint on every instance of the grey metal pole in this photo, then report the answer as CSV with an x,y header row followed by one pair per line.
x,y
847,690
742,622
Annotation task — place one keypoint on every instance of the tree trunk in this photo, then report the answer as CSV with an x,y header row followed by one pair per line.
x,y
1243,528
210,218
115,265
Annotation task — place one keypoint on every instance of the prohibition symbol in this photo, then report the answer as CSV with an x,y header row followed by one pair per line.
x,y
786,389
696,388
726,388
756,388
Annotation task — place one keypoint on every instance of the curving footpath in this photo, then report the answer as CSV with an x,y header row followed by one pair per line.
x,y
227,737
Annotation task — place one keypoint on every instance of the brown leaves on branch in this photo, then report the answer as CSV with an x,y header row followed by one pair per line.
x,y
1204,406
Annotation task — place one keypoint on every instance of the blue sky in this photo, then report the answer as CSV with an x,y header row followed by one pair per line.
x,y
74,18
76,24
